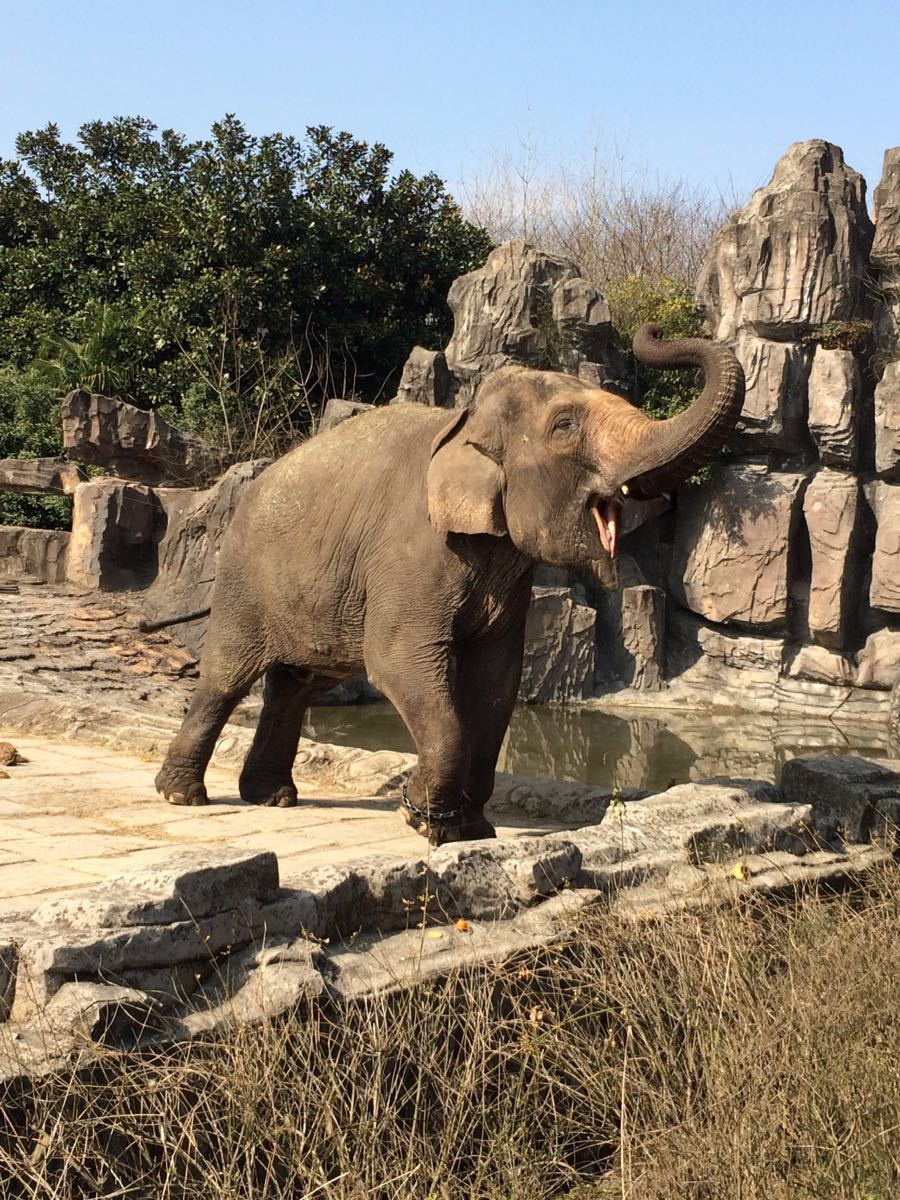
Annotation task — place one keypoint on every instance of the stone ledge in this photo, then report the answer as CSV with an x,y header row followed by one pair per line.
x,y
259,950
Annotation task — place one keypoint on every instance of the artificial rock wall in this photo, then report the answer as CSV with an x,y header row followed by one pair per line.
x,y
776,583
795,540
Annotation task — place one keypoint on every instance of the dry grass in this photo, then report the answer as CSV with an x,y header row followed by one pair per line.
x,y
614,219
740,1053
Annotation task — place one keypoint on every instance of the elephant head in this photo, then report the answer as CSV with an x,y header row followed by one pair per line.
x,y
547,458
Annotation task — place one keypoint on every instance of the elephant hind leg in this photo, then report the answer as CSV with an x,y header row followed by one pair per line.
x,y
267,777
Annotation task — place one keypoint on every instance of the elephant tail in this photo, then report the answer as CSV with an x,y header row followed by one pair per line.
x,y
152,626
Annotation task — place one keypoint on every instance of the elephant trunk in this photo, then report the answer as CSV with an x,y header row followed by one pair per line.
x,y
665,453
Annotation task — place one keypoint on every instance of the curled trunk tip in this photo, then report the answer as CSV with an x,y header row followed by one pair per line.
x,y
668,452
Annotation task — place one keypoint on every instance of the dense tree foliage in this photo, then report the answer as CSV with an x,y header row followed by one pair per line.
x,y
233,281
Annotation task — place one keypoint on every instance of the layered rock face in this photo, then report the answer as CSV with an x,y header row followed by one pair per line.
x,y
137,445
774,582
794,259
523,306
796,538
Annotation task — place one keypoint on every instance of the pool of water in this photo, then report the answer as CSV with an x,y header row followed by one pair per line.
x,y
651,749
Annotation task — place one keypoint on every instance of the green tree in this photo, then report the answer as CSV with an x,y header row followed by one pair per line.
x,y
232,281
29,428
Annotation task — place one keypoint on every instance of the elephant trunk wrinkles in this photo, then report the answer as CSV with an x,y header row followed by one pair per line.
x,y
668,452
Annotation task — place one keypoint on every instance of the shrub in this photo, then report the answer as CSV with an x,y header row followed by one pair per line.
x,y
29,428
670,303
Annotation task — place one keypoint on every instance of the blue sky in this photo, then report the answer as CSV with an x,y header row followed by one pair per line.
x,y
709,92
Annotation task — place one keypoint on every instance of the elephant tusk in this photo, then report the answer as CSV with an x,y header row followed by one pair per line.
x,y
606,514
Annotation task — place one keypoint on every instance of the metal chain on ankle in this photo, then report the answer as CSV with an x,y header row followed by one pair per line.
x,y
431,817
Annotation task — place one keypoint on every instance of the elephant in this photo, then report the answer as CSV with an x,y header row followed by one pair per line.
x,y
403,543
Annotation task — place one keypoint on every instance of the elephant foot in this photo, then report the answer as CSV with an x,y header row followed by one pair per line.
x,y
268,794
181,787
472,828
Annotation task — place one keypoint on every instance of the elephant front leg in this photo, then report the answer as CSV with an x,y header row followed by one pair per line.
x,y
433,801
487,685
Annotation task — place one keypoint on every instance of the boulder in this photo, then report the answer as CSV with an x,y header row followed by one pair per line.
x,y
691,824
39,553
643,635
101,1012
730,554
884,591
183,887
817,664
40,476
490,881
111,547
794,258
887,423
559,647
337,410
194,524
690,639
134,444
256,985
524,306
831,507
878,662
425,379
842,792
774,412
834,398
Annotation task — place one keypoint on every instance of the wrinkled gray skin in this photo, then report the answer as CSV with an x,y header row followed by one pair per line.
x,y
403,544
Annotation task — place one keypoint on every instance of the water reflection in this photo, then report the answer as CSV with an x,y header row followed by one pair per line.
x,y
652,750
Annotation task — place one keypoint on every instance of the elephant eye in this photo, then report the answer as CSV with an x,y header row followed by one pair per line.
x,y
565,422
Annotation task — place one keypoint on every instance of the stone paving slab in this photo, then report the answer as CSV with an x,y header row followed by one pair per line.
x,y
75,814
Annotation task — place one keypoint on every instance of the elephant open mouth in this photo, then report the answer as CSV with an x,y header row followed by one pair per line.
x,y
606,514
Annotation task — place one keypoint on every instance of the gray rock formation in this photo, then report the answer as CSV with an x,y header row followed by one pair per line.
x,y
34,553
878,662
831,507
188,887
101,1012
834,406
773,417
886,252
730,555
425,379
528,307
338,410
794,258
40,476
559,635
887,423
846,794
137,445
111,545
884,592
643,635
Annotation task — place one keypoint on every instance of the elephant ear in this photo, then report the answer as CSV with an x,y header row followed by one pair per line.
x,y
465,485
